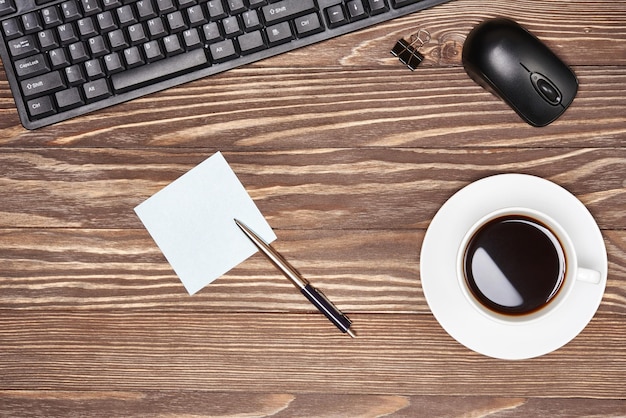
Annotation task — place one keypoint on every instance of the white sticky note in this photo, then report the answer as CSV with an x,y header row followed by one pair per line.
x,y
191,220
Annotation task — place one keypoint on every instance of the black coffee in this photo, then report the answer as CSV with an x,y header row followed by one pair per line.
x,y
514,265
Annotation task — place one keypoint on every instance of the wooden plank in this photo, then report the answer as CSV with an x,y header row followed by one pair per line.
x,y
285,353
53,270
281,405
336,107
325,189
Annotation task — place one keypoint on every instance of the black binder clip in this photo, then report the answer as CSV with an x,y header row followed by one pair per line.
x,y
407,51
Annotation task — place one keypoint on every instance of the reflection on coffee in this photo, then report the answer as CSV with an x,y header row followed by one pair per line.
x,y
514,265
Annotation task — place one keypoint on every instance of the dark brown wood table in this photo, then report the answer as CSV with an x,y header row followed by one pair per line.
x,y
349,155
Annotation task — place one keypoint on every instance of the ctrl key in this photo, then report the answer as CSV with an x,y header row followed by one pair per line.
x,y
40,107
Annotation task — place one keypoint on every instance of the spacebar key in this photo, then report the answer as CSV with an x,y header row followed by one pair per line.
x,y
138,76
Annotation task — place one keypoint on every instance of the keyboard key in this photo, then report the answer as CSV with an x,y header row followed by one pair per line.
x,y
31,23
145,10
125,16
377,6
86,28
191,38
132,57
67,34
236,6
257,3
287,9
78,52
58,58
106,22
231,27
156,27
117,40
11,28
211,32
137,34
308,24
47,40
41,107
96,90
69,99
336,16
111,4
251,42
279,33
165,6
402,3
139,76
74,75
7,7
153,51
356,9
196,16
113,63
94,69
42,84
251,20
91,7
21,47
176,22
223,51
98,46
70,10
31,66
172,45
51,16
216,9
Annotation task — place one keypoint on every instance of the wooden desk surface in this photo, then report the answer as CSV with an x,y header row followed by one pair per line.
x,y
349,155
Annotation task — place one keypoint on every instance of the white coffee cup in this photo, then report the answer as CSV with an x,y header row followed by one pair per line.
x,y
497,294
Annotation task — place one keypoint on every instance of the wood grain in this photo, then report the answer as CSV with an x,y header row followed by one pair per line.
x,y
399,354
282,405
343,188
122,270
349,155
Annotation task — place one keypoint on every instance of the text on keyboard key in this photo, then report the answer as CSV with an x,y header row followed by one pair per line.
x,y
287,9
31,66
23,46
41,107
42,84
279,33
223,51
97,90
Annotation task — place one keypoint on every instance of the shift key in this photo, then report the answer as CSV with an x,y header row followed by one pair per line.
x,y
287,9
43,84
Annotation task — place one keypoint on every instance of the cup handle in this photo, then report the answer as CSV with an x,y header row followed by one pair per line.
x,y
588,275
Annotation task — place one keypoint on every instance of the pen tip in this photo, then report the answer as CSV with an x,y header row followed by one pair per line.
x,y
351,333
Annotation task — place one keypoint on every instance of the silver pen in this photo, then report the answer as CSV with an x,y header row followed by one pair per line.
x,y
315,296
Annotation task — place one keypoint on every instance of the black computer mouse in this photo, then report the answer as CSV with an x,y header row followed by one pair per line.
x,y
508,60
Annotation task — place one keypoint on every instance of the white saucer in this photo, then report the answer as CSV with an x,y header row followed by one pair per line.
x,y
462,320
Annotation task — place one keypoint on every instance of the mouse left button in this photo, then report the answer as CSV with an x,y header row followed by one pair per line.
x,y
546,89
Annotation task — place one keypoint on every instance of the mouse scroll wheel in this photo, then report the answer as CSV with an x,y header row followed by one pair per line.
x,y
546,89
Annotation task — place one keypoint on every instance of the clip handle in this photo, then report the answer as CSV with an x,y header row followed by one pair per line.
x,y
407,51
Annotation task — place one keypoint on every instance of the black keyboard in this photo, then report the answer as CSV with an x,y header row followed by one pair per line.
x,y
64,58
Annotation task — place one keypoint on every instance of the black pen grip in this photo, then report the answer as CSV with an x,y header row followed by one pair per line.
x,y
325,306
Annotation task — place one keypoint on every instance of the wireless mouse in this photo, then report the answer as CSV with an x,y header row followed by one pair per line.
x,y
508,60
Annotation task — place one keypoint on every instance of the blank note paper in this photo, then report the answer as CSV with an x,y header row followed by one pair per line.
x,y
191,220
